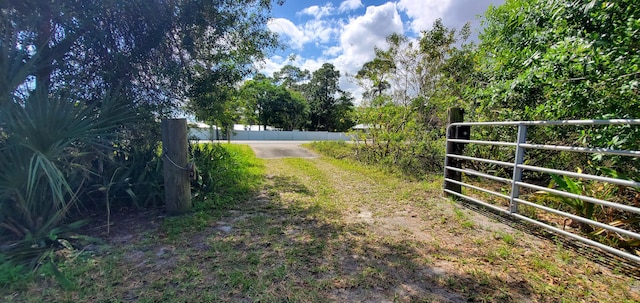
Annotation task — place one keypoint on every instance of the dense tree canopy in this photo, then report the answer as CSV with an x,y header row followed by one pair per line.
x,y
149,50
81,86
556,60
268,104
292,77
295,99
549,59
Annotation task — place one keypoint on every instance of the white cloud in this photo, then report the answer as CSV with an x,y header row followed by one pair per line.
x,y
332,51
358,38
311,64
318,11
424,12
275,63
320,30
362,34
270,65
453,13
284,27
348,5
298,35
349,43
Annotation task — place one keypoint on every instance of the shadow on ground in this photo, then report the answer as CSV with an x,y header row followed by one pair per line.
x,y
606,259
280,251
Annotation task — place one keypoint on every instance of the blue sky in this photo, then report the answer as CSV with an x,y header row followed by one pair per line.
x,y
345,32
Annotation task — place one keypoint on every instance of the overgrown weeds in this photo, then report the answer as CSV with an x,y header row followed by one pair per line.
x,y
414,160
226,173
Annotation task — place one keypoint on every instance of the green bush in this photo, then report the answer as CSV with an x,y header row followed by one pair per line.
x,y
133,177
226,173
46,157
414,160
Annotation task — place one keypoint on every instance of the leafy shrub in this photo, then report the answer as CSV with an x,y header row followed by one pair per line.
x,y
414,160
335,149
46,158
133,177
226,173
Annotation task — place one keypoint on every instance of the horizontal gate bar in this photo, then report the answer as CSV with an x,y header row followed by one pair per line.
x,y
478,201
579,175
481,160
555,122
581,197
500,143
479,174
581,219
518,165
478,188
595,150
579,238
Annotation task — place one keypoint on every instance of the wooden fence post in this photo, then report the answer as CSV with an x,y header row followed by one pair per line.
x,y
177,186
454,115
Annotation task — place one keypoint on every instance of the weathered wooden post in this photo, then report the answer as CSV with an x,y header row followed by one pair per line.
x,y
460,132
177,187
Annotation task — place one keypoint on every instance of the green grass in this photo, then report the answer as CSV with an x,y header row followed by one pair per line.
x,y
294,235
12,274
230,174
336,150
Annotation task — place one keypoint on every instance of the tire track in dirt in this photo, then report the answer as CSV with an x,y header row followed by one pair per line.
x,y
451,254
356,194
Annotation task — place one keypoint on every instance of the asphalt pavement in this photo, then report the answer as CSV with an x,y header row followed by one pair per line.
x,y
279,149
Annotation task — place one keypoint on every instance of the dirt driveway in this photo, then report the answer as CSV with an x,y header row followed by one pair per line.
x,y
279,149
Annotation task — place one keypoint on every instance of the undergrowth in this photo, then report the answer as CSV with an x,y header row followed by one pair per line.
x,y
227,174
413,161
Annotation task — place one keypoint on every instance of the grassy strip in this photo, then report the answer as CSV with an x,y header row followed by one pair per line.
x,y
411,160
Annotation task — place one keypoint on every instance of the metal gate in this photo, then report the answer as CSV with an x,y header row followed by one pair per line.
x,y
458,134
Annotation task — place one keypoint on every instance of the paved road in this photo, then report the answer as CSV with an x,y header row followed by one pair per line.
x,y
279,149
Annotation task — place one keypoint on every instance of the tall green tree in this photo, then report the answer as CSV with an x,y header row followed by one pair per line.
x,y
343,113
149,50
321,93
422,76
373,76
408,87
292,77
272,105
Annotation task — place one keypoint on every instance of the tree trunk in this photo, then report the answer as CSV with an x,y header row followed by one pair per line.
x,y
44,67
